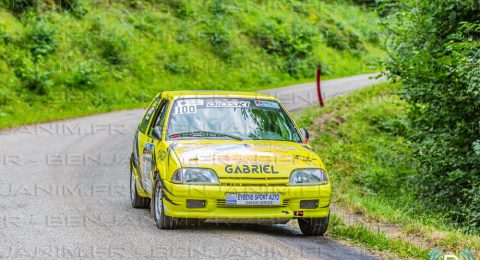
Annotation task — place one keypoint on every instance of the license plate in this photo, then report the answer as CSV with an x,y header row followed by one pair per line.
x,y
254,199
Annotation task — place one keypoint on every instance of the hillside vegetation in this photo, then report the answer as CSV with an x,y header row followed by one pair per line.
x,y
67,58
435,52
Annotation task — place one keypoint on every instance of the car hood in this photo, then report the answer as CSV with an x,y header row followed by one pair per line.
x,y
246,159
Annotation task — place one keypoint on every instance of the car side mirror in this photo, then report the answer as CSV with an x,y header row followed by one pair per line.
x,y
305,135
157,133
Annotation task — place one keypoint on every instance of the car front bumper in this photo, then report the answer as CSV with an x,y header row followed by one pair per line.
x,y
176,196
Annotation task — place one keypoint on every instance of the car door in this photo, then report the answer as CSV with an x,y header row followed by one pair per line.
x,y
158,139
148,142
144,146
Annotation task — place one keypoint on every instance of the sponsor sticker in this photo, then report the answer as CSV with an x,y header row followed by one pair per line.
x,y
266,103
231,199
240,104
252,199
245,169
148,148
184,102
147,160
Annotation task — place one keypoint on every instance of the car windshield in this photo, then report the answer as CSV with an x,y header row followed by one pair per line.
x,y
230,118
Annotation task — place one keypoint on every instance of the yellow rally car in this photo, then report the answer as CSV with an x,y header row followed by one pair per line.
x,y
226,157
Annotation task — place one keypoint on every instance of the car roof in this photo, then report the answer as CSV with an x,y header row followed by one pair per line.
x,y
214,93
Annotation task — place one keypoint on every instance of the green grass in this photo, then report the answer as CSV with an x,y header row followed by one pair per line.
x,y
363,236
362,139
59,64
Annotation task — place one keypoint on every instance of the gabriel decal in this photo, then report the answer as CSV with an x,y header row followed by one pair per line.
x,y
270,169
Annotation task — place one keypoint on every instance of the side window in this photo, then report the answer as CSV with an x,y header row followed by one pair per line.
x,y
143,125
160,116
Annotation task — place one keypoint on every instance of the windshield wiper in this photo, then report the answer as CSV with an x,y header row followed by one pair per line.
x,y
206,134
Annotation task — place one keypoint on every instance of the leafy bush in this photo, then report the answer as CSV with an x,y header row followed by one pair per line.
x,y
84,76
180,8
369,3
39,37
476,147
434,51
285,39
219,37
300,7
29,69
380,180
20,6
178,64
220,8
335,40
33,77
5,95
340,38
68,4
113,46
396,126
292,41
77,7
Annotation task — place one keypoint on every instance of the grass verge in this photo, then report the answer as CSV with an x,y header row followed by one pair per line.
x,y
378,241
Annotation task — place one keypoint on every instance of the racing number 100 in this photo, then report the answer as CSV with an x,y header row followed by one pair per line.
x,y
186,109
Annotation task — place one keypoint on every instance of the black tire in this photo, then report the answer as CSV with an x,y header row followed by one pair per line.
x,y
161,220
313,226
137,201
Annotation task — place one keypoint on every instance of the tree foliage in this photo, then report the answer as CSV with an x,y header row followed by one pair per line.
x,y
435,52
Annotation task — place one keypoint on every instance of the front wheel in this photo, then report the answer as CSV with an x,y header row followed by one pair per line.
x,y
161,220
313,226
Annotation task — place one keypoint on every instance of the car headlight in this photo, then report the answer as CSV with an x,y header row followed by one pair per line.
x,y
308,177
195,176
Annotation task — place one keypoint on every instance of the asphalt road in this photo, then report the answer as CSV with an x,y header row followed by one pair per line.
x,y
64,193
298,97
